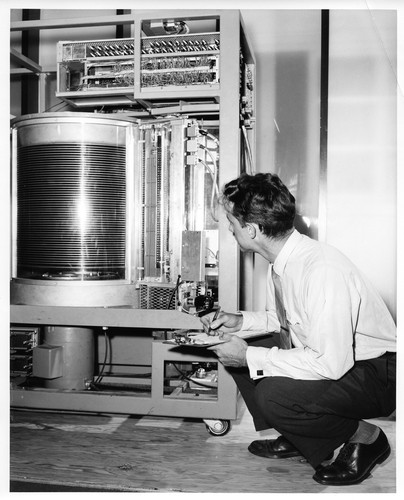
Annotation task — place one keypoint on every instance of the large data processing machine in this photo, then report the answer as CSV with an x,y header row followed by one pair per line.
x,y
119,244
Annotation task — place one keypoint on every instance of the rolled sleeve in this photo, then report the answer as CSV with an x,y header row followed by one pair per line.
x,y
259,320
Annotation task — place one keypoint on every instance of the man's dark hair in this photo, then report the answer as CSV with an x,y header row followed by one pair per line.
x,y
262,199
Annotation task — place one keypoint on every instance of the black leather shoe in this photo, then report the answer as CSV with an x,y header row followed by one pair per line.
x,y
274,448
354,462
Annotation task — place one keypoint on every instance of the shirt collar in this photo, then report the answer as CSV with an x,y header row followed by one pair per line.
x,y
283,256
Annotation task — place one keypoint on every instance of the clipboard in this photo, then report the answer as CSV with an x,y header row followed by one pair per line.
x,y
190,338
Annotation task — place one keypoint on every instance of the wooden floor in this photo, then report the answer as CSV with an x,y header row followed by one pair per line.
x,y
156,454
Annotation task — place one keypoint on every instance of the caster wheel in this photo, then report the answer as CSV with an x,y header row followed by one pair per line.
x,y
217,427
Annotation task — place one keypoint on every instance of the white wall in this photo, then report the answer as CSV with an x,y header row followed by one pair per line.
x,y
362,147
361,191
287,46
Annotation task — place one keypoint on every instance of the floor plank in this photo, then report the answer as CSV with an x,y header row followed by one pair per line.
x,y
157,454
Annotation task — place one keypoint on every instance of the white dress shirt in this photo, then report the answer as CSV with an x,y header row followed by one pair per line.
x,y
334,314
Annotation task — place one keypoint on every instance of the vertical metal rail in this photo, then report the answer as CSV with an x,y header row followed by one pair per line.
x,y
159,169
165,253
30,49
122,30
229,163
322,209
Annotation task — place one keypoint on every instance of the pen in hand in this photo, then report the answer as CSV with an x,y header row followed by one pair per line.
x,y
213,319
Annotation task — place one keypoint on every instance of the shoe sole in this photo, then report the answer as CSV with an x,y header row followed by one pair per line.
x,y
291,454
379,460
278,456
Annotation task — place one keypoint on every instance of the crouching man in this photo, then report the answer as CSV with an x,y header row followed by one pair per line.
x,y
332,363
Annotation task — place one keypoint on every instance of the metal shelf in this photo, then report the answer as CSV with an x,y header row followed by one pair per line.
x,y
124,317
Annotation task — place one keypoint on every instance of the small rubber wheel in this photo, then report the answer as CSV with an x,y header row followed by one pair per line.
x,y
219,428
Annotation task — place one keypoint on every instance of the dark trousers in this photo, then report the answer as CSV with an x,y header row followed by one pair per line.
x,y
317,416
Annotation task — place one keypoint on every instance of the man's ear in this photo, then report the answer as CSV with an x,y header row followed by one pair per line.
x,y
251,231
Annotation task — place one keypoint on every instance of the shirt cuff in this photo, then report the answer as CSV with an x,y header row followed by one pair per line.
x,y
258,361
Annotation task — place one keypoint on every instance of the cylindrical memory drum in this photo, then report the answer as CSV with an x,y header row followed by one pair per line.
x,y
70,205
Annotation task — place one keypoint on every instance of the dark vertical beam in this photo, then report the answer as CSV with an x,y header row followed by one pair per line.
x,y
30,48
122,30
325,40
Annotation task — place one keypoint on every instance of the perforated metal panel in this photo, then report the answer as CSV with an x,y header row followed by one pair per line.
x,y
157,296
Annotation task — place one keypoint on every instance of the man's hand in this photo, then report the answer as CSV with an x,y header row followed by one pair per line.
x,y
226,322
232,352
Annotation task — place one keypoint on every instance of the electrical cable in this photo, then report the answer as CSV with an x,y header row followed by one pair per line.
x,y
101,374
214,178
182,309
212,174
212,253
216,141
202,131
64,105
172,295
208,151
249,153
215,188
